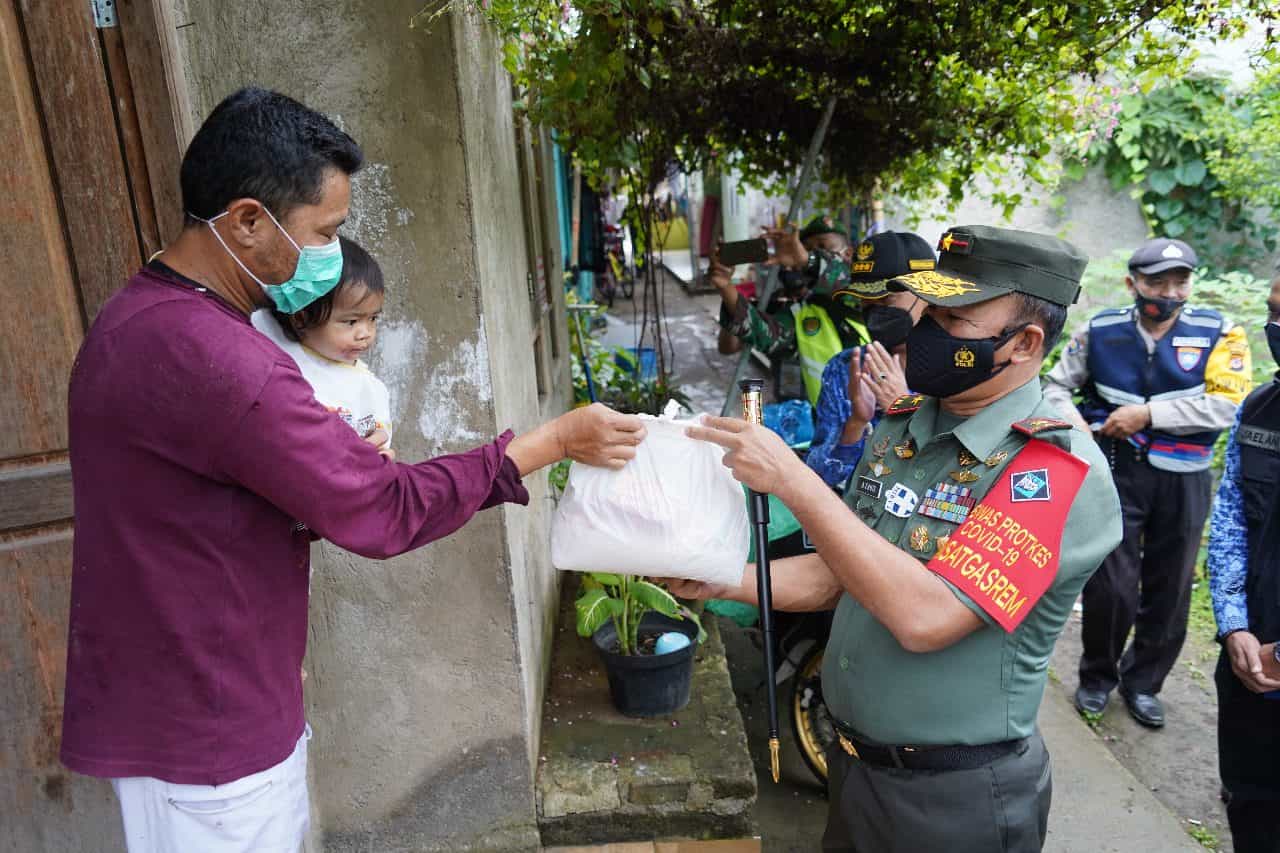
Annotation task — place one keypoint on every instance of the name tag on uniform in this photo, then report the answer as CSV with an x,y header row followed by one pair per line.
x,y
1005,555
1264,439
1202,343
869,487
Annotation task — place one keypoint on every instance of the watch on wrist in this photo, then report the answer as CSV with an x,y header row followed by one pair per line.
x,y
1275,652
812,265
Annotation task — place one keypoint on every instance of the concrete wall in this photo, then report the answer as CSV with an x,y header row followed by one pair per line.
x,y
426,672
1094,217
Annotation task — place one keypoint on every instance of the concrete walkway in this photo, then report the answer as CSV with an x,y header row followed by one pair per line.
x,y
1098,805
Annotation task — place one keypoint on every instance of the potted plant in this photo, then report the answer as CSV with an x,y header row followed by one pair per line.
x,y
627,617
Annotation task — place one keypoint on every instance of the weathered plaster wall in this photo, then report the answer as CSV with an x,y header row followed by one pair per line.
x,y
501,256
426,671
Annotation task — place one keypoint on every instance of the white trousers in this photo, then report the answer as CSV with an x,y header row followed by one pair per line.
x,y
265,812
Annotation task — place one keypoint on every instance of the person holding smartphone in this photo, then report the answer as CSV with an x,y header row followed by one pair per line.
x,y
804,318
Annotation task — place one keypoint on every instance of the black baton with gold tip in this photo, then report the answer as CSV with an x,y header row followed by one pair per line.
x,y
753,412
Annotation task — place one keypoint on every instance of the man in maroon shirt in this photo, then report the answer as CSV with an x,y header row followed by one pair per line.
x,y
202,464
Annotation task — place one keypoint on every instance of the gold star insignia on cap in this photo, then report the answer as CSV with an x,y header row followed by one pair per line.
x,y
952,242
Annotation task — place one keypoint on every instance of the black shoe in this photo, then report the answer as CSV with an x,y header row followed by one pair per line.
x,y
1145,708
1091,701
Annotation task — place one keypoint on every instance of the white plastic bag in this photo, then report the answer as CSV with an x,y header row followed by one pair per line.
x,y
673,511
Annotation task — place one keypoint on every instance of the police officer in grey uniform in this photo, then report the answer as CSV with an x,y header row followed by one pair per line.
x,y
967,532
1160,379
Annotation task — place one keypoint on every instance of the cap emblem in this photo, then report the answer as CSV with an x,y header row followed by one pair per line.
x,y
865,250
1171,251
937,285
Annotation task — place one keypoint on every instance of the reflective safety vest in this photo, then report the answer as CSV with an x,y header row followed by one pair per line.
x,y
818,340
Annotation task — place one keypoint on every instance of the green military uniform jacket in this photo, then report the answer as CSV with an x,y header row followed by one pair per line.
x,y
987,686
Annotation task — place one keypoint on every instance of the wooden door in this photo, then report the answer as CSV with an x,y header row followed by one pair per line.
x,y
86,192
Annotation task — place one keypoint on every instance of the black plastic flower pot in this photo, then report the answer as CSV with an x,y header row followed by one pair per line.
x,y
649,685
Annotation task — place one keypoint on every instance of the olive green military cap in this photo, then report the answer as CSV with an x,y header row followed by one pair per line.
x,y
820,225
980,262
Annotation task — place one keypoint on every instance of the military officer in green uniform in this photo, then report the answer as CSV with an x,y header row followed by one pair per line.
x,y
961,544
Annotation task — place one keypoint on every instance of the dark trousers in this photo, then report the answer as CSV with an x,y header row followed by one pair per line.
x,y
1249,761
1001,807
1145,583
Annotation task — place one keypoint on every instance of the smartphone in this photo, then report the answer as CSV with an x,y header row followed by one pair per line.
x,y
744,252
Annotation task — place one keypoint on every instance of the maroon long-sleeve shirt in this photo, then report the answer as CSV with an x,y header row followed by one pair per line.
x,y
196,449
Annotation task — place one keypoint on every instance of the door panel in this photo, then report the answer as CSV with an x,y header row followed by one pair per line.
x,y
78,201
42,325
82,138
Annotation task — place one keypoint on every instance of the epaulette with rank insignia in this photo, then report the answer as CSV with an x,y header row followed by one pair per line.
x,y
905,405
1034,426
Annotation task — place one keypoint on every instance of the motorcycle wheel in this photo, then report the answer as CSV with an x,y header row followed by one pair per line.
x,y
810,720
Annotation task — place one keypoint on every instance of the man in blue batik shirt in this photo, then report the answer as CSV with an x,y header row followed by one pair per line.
x,y
861,382
1244,579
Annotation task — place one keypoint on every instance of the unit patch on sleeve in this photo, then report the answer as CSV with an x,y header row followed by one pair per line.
x,y
1006,553
1030,486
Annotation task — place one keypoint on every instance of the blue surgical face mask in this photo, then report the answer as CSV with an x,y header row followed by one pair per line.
x,y
317,272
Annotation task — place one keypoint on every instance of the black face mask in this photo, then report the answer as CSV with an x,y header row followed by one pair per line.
x,y
941,365
1273,341
1158,310
887,324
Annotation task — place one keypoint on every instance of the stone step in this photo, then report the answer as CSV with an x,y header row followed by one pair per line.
x,y
607,779
737,845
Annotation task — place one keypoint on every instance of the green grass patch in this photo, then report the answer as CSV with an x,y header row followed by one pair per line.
x,y
1206,837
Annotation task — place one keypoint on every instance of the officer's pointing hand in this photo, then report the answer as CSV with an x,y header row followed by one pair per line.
x,y
758,457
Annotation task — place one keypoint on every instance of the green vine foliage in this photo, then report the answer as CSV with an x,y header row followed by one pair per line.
x,y
928,96
1248,162
1185,150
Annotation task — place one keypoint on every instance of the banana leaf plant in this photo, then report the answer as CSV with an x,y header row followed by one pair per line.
x,y
625,599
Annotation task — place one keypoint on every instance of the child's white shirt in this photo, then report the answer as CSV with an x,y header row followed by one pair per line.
x,y
352,390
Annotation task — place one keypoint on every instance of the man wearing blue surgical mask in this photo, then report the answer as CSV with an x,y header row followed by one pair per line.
x,y
202,468
1244,580
1160,380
